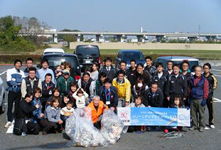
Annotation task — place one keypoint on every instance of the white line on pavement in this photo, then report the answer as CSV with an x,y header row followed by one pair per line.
x,y
3,73
217,100
217,75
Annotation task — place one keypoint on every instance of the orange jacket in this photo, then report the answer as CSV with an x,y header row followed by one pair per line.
x,y
95,114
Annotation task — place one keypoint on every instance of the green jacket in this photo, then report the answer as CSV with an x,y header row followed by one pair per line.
x,y
98,85
64,85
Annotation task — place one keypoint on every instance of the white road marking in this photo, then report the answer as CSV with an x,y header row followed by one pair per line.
x,y
3,73
217,100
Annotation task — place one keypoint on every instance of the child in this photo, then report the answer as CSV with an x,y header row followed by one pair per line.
x,y
178,103
74,87
67,111
25,112
52,118
137,103
81,98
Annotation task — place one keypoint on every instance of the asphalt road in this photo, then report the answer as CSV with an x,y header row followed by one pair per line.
x,y
210,139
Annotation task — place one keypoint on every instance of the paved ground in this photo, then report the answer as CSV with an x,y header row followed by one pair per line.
x,y
210,139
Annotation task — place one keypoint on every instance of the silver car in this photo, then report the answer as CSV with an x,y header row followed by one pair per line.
x,y
2,97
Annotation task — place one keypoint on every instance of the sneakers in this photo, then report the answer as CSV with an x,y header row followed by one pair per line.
x,y
212,126
8,124
44,133
23,134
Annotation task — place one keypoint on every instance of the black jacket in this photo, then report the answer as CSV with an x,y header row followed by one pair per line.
x,y
154,99
146,77
26,109
151,69
113,98
47,90
176,86
161,81
110,74
131,76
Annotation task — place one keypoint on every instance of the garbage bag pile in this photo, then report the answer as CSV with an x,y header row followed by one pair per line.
x,y
111,127
79,127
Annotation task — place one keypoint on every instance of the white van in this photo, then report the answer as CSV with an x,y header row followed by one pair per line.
x,y
53,51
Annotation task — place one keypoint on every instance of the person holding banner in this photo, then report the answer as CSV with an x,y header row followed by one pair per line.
x,y
155,97
199,91
123,86
176,85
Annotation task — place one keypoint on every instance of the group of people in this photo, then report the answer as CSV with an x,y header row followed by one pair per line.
x,y
44,98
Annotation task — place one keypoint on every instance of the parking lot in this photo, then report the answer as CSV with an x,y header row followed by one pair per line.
x,y
210,139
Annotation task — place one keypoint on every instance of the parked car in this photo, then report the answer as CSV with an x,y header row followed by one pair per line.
x,y
177,60
53,51
2,97
56,59
87,55
128,55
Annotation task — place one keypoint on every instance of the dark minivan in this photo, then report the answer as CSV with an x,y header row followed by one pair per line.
x,y
87,55
56,59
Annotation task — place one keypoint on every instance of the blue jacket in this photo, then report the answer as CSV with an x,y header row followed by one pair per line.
x,y
197,91
36,112
14,79
52,114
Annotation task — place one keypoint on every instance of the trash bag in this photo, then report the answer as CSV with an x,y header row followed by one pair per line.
x,y
111,127
80,128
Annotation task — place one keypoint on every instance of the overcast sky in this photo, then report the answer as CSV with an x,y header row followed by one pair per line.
x,y
121,15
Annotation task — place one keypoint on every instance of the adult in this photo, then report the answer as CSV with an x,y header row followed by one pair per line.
x,y
155,97
123,86
14,78
176,85
160,77
109,69
143,74
212,86
47,89
132,72
149,66
108,94
199,91
44,70
86,84
100,82
64,82
30,83
169,70
29,64
97,108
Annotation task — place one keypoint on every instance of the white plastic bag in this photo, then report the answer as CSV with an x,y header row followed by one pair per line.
x,y
111,126
80,128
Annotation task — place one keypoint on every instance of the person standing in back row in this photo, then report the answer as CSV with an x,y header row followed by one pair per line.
x,y
108,69
45,70
14,79
213,83
148,65
176,85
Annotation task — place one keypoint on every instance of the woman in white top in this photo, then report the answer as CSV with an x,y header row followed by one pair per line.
x,y
81,98
94,71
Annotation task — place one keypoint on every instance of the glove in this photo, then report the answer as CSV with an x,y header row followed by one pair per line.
x,y
187,107
203,103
